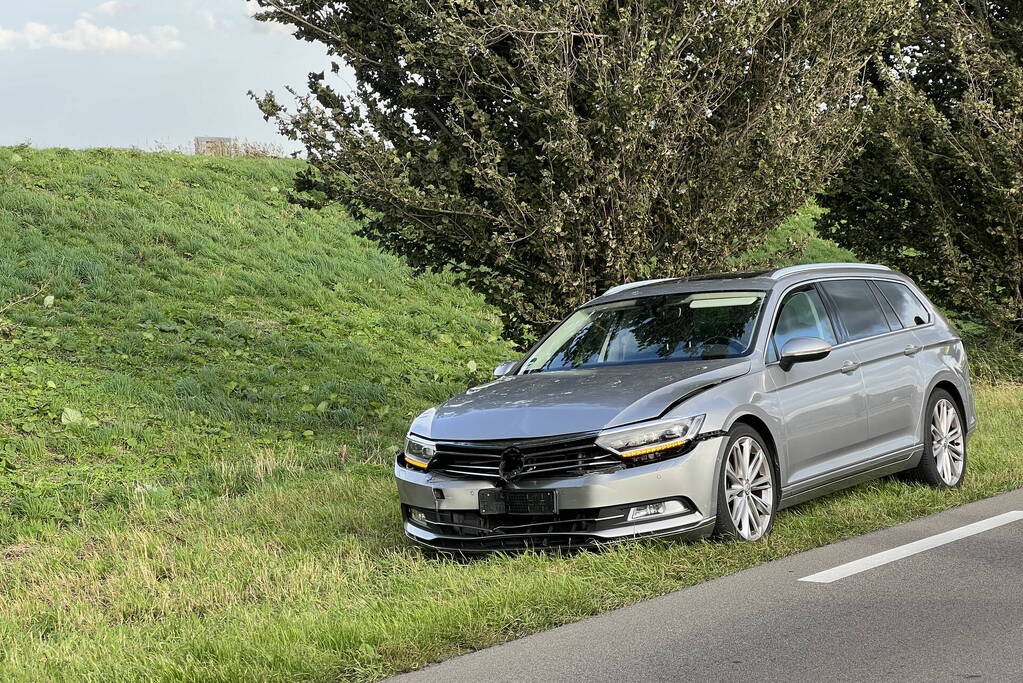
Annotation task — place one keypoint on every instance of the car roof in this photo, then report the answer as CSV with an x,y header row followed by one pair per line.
x,y
758,280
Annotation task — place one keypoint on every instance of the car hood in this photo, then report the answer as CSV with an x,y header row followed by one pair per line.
x,y
571,401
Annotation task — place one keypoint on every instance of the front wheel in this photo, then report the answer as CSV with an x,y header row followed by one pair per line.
x,y
747,492
943,464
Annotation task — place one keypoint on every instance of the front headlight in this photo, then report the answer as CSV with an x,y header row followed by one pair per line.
x,y
418,451
651,440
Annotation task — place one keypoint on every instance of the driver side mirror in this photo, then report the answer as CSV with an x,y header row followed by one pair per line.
x,y
802,350
504,368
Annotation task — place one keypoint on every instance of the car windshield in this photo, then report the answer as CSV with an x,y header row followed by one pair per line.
x,y
699,326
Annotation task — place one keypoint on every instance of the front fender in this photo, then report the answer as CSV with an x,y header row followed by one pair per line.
x,y
730,401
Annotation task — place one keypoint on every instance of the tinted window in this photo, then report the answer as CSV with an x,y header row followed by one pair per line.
x,y
802,315
857,306
909,309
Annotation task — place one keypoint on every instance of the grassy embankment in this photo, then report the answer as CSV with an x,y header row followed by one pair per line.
x,y
195,434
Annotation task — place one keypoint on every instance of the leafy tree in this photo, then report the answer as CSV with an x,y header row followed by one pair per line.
x,y
548,150
938,189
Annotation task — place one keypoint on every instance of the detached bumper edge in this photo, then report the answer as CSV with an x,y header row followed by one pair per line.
x,y
685,527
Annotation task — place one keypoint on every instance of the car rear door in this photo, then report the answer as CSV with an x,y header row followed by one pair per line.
x,y
821,402
885,351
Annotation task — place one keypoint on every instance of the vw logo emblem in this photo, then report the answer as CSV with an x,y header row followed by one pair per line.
x,y
511,464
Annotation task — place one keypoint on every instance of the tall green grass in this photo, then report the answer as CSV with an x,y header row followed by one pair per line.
x,y
195,436
200,323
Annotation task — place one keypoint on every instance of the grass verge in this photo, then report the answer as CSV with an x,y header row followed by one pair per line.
x,y
308,576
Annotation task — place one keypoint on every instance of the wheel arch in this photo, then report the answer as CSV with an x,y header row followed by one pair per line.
x,y
951,384
758,425
953,390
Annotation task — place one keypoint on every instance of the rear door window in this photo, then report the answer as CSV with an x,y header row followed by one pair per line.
x,y
857,307
889,312
910,310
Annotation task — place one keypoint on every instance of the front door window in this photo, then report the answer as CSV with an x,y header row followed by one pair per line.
x,y
802,315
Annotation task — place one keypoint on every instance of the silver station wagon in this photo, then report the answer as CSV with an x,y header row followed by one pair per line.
x,y
693,407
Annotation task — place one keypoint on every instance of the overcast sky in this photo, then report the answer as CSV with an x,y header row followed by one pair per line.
x,y
146,73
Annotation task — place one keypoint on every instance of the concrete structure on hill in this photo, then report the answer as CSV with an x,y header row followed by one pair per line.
x,y
216,147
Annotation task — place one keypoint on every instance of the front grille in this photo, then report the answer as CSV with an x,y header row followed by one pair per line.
x,y
558,456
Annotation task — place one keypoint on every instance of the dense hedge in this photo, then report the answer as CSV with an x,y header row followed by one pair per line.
x,y
938,189
548,150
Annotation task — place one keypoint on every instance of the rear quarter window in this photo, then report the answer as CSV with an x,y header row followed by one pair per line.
x,y
908,307
857,308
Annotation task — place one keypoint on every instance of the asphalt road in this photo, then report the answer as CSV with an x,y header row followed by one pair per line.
x,y
952,612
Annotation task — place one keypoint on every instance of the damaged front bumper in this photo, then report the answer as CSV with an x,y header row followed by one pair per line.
x,y
444,512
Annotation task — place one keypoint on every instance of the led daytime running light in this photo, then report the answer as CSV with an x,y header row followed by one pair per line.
x,y
419,452
653,449
412,461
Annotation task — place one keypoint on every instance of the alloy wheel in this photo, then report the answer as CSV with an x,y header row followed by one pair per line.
x,y
947,442
749,489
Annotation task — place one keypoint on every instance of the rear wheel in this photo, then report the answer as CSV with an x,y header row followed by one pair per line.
x,y
943,464
747,491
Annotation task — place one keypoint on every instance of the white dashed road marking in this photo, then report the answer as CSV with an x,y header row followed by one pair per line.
x,y
903,551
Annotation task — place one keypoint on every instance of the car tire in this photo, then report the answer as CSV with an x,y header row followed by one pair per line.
x,y
943,463
745,497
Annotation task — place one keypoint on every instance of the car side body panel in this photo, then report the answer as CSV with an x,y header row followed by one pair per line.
x,y
894,387
823,411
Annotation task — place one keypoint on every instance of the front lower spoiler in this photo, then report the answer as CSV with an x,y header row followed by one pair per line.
x,y
691,526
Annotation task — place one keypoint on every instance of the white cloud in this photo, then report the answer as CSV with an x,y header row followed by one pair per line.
x,y
252,8
85,35
210,19
111,7
8,38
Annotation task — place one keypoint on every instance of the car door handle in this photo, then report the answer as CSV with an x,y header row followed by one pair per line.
x,y
911,350
849,367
